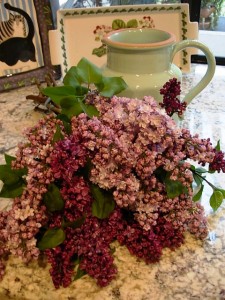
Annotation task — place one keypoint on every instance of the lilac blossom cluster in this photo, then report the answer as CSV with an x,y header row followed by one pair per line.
x,y
171,102
28,213
132,146
130,142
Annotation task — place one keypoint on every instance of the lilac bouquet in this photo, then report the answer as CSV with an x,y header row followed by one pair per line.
x,y
105,168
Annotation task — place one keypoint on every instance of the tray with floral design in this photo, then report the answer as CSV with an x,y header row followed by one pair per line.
x,y
80,30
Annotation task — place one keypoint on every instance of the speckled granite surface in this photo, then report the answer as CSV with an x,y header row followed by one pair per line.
x,y
194,271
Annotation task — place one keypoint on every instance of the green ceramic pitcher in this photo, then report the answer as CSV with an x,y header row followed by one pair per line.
x,y
143,57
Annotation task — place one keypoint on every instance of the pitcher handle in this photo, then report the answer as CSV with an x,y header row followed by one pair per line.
x,y
210,70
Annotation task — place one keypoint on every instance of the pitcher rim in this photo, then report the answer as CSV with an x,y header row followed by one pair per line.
x,y
109,42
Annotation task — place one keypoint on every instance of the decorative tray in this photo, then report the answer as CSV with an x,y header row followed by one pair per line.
x,y
79,30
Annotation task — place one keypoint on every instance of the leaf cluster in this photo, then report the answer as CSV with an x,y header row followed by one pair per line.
x,y
77,83
70,97
218,195
13,179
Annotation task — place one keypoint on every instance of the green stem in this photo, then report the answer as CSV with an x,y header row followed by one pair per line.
x,y
203,178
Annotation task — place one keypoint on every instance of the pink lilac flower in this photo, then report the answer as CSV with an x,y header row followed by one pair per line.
x,y
90,244
67,157
134,149
130,141
28,214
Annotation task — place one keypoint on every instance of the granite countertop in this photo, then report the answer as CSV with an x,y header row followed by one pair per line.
x,y
194,271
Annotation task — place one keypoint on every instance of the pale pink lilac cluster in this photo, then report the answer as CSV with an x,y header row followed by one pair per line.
x,y
130,148
28,213
130,142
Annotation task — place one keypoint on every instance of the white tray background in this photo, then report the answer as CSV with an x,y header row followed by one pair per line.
x,y
74,37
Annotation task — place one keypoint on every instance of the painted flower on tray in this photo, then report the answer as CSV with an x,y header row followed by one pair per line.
x,y
104,168
101,30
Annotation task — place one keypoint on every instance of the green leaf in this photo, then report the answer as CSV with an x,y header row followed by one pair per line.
x,y
112,86
198,195
192,167
88,72
71,106
218,146
10,176
74,224
161,174
51,239
117,24
66,123
9,159
58,136
216,200
7,175
103,203
63,118
198,180
85,170
13,181
72,78
81,90
90,110
79,273
222,191
132,23
174,188
201,170
53,199
56,93
13,190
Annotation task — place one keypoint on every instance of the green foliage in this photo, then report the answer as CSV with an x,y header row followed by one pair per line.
x,y
174,188
198,194
52,238
112,85
70,106
74,224
216,199
78,82
78,272
53,199
88,72
103,203
217,196
218,146
58,134
59,92
13,180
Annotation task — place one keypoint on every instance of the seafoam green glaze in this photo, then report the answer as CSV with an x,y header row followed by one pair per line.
x,y
143,57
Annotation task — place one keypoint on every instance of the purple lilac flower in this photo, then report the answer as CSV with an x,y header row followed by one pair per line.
x,y
171,102
132,147
218,163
